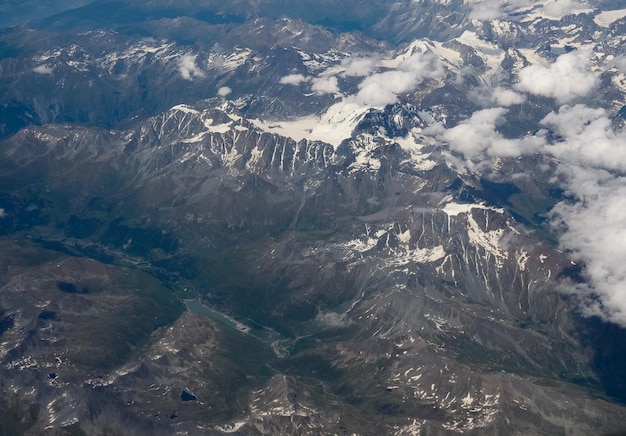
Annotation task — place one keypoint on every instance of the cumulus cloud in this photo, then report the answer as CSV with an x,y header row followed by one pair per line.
x,y
499,96
319,85
567,79
293,79
592,169
43,69
383,88
358,66
224,91
325,85
593,230
587,138
188,68
506,97
485,9
376,89
620,63
560,8
478,136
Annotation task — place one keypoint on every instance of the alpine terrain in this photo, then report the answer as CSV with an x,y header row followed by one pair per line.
x,y
292,217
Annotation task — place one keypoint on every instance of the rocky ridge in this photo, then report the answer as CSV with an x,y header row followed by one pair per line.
x,y
361,277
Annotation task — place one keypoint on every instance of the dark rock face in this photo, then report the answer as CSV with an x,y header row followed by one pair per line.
x,y
178,257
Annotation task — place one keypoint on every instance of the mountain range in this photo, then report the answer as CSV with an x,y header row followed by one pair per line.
x,y
271,217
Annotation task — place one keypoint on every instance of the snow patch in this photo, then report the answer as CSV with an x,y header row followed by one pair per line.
x,y
186,109
332,128
231,428
418,160
467,401
522,259
235,59
454,209
488,240
489,52
217,128
196,138
43,69
606,18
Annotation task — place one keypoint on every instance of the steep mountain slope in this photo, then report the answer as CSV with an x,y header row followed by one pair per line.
x,y
371,252
269,219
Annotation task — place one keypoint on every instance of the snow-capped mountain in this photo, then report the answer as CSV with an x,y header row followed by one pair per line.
x,y
271,217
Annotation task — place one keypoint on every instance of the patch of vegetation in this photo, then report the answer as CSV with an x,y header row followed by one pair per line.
x,y
235,284
126,315
309,366
180,265
79,228
21,212
138,241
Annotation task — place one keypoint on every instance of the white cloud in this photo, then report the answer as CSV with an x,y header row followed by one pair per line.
x,y
487,96
319,85
478,136
588,138
620,63
2,213
224,91
506,97
325,85
594,231
592,169
358,67
293,79
377,89
43,69
560,8
188,68
485,9
383,88
567,79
